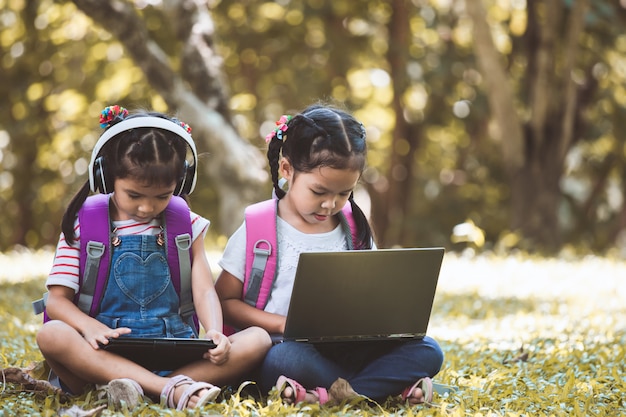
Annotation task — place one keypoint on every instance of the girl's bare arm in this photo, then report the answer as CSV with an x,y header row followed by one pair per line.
x,y
60,306
240,314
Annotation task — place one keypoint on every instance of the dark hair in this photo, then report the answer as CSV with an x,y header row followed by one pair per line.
x,y
151,155
323,136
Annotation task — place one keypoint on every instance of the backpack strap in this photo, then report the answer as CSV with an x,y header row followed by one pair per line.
x,y
262,248
95,252
261,252
178,235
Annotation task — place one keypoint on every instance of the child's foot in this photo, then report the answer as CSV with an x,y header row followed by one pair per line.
x,y
291,392
419,393
122,393
182,392
341,390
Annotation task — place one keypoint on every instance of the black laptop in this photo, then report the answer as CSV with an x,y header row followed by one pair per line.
x,y
163,354
384,294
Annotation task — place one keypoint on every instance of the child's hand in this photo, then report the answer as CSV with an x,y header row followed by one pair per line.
x,y
219,354
100,333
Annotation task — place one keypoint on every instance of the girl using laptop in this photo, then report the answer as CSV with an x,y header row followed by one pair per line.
x,y
321,154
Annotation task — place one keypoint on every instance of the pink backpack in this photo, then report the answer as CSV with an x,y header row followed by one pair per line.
x,y
262,248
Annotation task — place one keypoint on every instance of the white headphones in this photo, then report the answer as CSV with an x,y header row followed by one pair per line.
x,y
97,177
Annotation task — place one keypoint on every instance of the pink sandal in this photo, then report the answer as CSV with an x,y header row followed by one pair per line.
x,y
299,393
425,384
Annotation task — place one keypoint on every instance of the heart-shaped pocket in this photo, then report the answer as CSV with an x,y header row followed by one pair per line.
x,y
142,280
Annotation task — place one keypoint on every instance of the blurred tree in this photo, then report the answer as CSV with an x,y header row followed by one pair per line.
x,y
539,120
34,68
392,202
188,76
24,176
413,71
63,70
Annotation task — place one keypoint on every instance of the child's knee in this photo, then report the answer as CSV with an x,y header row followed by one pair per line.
x,y
254,338
51,333
262,337
434,355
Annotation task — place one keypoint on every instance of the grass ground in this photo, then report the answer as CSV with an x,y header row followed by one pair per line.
x,y
522,337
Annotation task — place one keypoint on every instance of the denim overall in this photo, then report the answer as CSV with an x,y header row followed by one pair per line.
x,y
139,293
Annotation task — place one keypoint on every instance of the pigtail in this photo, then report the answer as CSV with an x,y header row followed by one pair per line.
x,y
273,156
364,238
69,217
275,140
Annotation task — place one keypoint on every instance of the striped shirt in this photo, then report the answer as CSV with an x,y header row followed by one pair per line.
x,y
65,269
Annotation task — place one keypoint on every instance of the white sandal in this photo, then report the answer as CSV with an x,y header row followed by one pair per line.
x,y
167,394
122,393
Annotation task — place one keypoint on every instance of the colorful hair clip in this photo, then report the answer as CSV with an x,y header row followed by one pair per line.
x,y
183,125
110,113
280,129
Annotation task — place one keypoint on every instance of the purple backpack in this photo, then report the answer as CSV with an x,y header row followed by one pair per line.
x,y
95,255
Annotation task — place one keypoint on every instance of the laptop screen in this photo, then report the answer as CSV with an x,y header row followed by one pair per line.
x,y
363,295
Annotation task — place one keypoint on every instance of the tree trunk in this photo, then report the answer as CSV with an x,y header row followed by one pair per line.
x,y
391,206
508,132
197,92
534,153
24,177
535,199
23,183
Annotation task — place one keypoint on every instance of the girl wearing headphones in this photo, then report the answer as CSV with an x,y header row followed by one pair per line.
x,y
141,163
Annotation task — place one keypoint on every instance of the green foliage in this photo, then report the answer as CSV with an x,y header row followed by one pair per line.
x,y
60,69
521,336
63,71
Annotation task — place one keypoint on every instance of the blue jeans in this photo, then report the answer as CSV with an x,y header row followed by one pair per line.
x,y
374,369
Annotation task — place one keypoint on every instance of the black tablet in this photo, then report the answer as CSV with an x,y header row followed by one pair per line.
x,y
161,353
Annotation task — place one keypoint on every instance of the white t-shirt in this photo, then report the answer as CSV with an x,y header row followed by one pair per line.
x,y
291,242
65,269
